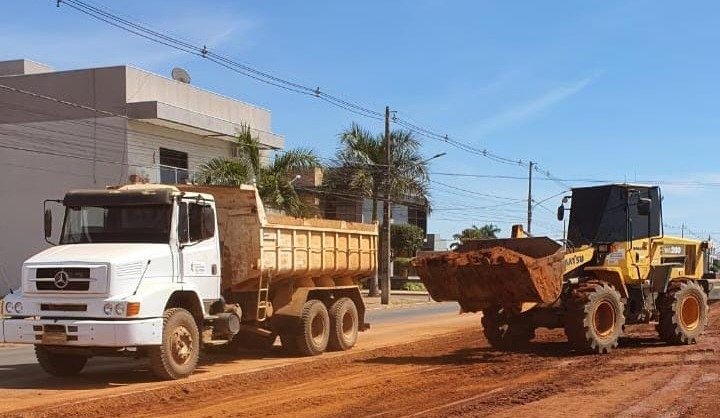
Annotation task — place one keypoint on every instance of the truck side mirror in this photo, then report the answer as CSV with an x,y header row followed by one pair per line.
x,y
561,213
47,223
644,205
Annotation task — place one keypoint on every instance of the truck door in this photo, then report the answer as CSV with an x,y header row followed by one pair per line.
x,y
199,253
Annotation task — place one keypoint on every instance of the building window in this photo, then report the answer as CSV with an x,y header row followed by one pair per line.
x,y
173,166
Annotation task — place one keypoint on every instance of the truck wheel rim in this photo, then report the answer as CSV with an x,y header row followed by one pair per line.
x,y
690,313
348,324
182,345
317,330
604,318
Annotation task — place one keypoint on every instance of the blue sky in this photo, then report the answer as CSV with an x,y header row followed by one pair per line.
x,y
612,90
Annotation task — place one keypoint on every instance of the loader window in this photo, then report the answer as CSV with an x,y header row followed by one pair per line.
x,y
598,214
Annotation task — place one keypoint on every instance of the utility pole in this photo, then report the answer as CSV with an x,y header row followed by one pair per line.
x,y
529,200
682,231
384,267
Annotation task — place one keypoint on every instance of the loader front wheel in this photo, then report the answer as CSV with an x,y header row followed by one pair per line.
x,y
505,331
683,313
594,318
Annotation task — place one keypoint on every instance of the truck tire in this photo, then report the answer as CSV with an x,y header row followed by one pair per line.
x,y
343,325
178,355
594,317
683,313
57,364
504,331
312,336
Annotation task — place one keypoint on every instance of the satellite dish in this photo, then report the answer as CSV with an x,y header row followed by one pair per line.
x,y
179,74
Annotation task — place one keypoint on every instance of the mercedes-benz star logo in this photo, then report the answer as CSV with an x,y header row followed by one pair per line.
x,y
61,279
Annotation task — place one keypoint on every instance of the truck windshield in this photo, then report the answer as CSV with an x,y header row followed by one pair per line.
x,y
117,224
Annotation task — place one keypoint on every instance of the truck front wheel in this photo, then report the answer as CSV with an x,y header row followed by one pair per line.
x,y
343,325
59,364
178,355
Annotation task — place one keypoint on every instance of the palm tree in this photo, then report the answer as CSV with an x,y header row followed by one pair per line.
x,y
360,169
272,181
488,231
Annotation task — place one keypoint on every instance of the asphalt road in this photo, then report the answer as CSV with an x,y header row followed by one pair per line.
x,y
23,355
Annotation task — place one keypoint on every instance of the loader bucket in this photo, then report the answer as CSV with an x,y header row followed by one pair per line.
x,y
484,273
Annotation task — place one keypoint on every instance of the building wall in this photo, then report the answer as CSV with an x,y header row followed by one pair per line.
x,y
145,140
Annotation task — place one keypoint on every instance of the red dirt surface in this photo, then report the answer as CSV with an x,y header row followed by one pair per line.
x,y
451,375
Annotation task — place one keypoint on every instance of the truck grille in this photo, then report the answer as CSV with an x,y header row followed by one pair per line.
x,y
73,273
78,279
71,286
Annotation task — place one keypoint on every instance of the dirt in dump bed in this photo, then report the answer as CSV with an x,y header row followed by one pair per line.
x,y
497,275
456,375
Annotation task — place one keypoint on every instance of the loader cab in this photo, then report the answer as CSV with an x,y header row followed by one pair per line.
x,y
614,213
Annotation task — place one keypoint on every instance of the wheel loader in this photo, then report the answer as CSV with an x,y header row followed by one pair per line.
x,y
615,268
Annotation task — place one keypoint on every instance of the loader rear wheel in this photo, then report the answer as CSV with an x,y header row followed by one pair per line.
x,y
313,332
343,325
59,364
594,317
683,313
504,330
178,355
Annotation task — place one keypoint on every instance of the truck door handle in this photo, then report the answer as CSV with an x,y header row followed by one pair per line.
x,y
214,269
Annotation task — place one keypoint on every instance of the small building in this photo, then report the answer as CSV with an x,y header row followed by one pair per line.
x,y
89,128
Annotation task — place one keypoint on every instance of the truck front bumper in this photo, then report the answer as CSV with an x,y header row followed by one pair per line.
x,y
82,332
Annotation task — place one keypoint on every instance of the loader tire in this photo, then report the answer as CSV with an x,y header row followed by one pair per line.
x,y
57,364
313,333
594,318
178,355
343,325
683,313
505,331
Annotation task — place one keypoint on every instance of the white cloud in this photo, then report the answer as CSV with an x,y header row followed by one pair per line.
x,y
523,111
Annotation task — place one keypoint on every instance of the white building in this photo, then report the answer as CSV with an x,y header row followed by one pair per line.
x,y
90,128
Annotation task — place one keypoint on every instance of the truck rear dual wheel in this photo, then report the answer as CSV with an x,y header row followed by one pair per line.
x,y
313,333
59,364
594,317
343,325
683,313
504,330
178,355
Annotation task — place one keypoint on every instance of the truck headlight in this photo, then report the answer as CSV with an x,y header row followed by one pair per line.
x,y
18,307
120,309
9,307
108,309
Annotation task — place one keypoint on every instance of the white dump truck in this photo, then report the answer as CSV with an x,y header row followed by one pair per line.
x,y
163,271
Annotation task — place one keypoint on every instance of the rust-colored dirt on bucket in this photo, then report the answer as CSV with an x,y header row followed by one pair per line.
x,y
484,273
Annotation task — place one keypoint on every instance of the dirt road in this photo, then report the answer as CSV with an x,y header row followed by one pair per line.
x,y
455,374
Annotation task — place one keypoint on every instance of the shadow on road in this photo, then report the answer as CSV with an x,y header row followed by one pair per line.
x,y
490,355
106,372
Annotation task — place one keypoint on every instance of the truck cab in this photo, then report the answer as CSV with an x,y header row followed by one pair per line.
x,y
124,257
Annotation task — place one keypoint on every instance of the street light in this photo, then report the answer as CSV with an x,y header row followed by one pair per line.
x,y
296,178
434,157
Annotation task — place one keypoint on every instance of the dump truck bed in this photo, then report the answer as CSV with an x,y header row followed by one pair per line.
x,y
321,252
484,273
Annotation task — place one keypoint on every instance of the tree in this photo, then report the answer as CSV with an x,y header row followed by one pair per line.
x,y
488,231
406,239
360,169
272,181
